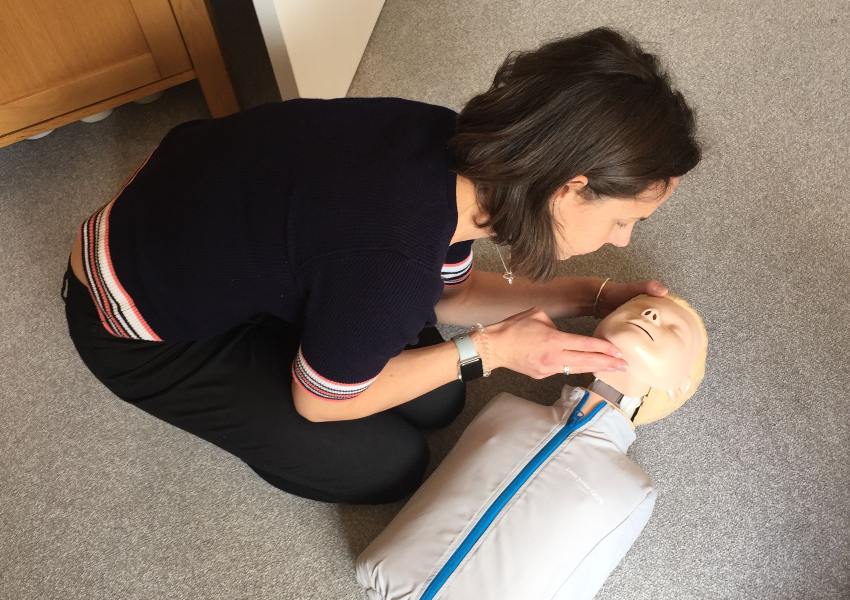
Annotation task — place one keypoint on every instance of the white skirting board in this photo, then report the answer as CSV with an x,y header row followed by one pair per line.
x,y
315,46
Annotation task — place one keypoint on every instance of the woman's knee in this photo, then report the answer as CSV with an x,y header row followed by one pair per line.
x,y
448,404
429,336
355,464
440,406
435,409
394,478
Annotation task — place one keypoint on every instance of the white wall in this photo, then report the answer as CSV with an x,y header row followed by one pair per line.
x,y
316,45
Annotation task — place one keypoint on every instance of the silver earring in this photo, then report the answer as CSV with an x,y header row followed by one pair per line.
x,y
508,273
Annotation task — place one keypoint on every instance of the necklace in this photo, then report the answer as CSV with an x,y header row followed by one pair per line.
x,y
508,273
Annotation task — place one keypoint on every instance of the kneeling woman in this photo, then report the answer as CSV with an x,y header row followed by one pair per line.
x,y
270,280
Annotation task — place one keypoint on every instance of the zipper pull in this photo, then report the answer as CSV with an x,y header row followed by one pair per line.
x,y
577,412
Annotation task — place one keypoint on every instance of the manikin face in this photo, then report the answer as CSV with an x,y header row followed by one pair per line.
x,y
587,225
660,340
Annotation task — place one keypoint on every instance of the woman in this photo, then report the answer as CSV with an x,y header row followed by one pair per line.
x,y
269,281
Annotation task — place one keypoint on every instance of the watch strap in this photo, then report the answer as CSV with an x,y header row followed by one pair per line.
x,y
470,365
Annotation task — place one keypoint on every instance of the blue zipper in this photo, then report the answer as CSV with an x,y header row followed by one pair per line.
x,y
575,421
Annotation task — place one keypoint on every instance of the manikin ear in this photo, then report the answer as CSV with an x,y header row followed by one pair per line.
x,y
661,402
680,390
683,388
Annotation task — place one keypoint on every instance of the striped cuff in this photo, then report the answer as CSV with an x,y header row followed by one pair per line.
x,y
323,387
115,307
454,273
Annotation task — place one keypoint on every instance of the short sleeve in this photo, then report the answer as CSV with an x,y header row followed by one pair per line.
x,y
360,312
458,264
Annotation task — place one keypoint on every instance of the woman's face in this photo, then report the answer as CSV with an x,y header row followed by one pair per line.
x,y
584,226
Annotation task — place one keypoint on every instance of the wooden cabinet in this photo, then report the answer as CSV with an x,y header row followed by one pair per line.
x,y
61,60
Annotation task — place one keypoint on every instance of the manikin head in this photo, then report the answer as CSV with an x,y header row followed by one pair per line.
x,y
665,343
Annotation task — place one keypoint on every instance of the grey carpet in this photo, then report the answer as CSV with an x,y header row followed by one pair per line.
x,y
98,500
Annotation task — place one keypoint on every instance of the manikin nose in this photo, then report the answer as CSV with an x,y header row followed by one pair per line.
x,y
651,315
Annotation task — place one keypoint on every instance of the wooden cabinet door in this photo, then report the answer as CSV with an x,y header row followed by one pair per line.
x,y
57,56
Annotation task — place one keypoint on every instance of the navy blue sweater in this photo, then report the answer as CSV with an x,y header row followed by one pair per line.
x,y
334,215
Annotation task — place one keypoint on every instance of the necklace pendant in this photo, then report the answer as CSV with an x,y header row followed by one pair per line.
x,y
509,276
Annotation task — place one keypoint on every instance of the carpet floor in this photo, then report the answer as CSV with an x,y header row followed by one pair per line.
x,y
99,500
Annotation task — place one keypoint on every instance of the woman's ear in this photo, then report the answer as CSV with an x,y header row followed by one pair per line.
x,y
578,184
572,191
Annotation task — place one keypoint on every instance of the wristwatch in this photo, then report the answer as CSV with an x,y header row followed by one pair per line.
x,y
469,364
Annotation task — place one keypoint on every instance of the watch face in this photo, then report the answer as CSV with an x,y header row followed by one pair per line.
x,y
471,370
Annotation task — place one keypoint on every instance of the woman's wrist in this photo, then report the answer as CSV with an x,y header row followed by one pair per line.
x,y
482,338
497,346
572,296
598,299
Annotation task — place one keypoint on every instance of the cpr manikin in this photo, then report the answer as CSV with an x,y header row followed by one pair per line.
x,y
664,342
537,501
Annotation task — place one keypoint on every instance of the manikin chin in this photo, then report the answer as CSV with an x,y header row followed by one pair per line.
x,y
665,343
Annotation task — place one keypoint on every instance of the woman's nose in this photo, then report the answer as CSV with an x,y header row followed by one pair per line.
x,y
621,238
651,315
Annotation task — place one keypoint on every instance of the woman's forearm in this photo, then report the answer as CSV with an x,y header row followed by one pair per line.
x,y
491,299
416,371
410,374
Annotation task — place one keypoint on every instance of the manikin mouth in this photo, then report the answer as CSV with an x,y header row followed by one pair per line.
x,y
642,329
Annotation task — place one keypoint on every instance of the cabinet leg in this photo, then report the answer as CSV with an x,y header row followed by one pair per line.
x,y
149,99
97,116
202,44
38,136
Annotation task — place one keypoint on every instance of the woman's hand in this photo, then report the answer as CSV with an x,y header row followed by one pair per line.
x,y
616,294
531,344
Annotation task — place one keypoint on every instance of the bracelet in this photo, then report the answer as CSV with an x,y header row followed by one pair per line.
x,y
486,354
598,294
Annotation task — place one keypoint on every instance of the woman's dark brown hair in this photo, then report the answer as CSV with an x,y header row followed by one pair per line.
x,y
593,104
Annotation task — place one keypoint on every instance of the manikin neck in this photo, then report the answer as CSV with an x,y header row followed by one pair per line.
x,y
629,405
605,391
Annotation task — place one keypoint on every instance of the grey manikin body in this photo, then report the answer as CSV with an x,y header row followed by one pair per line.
x,y
535,502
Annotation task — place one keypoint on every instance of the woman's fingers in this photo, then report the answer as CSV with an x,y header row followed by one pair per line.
x,y
589,362
656,288
585,354
584,343
530,343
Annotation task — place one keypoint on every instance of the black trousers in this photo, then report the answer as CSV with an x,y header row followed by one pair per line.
x,y
234,391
